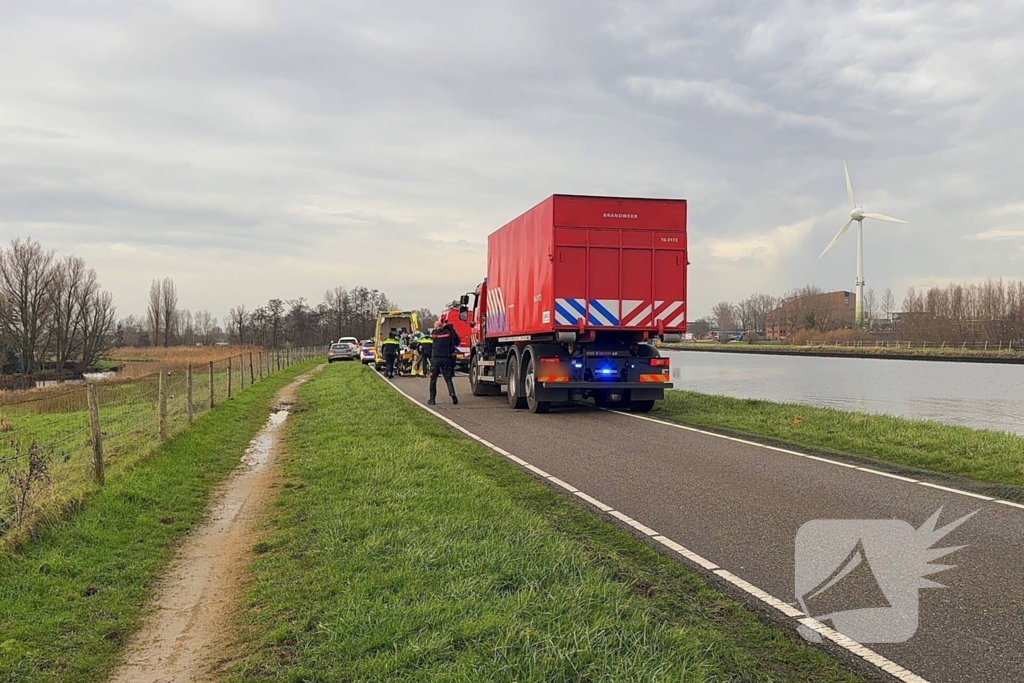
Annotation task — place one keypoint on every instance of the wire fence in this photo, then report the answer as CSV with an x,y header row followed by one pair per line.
x,y
58,443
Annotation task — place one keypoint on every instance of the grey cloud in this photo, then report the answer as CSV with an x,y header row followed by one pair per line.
x,y
302,128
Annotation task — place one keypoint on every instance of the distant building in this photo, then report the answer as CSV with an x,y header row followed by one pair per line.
x,y
821,312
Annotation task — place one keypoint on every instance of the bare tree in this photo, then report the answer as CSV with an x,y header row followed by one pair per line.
x,y
98,315
427,319
724,315
169,308
870,305
338,308
71,286
26,307
754,311
913,302
888,303
155,312
185,327
204,326
238,320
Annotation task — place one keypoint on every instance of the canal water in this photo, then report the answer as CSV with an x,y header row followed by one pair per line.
x,y
981,395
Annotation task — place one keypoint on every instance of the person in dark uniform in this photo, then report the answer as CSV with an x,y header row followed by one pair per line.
x,y
390,348
442,362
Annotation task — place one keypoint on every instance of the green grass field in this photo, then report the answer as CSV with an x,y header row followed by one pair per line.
x,y
992,459
401,551
70,597
58,420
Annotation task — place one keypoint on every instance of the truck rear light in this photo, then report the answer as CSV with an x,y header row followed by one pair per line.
x,y
553,370
660,362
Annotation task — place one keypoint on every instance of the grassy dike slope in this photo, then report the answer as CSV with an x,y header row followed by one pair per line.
x,y
69,598
993,459
402,551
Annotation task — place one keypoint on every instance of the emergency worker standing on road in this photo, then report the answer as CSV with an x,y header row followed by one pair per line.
x,y
445,340
390,348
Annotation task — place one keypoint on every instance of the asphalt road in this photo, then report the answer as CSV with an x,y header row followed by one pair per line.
x,y
741,506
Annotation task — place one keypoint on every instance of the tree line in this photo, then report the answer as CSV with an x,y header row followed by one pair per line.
x,y
53,311
342,313
990,311
279,322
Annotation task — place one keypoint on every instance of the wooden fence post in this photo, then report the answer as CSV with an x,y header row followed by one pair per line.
x,y
97,436
161,424
229,378
252,373
188,393
259,361
241,371
211,384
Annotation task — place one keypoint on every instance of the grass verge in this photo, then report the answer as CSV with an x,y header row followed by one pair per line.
x,y
993,459
401,551
71,596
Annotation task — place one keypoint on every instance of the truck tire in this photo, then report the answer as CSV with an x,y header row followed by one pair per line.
x,y
530,389
641,406
648,351
515,384
476,387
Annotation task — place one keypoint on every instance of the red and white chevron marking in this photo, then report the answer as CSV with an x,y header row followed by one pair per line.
x,y
641,313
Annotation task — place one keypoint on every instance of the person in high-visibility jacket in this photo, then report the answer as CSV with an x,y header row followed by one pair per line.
x,y
426,349
417,357
390,348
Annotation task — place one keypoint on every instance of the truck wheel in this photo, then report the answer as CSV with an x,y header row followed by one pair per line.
x,y
641,406
515,385
530,387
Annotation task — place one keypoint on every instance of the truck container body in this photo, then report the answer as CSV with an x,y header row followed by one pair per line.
x,y
592,262
576,288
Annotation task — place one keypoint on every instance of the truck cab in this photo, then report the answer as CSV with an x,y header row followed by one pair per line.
x,y
460,317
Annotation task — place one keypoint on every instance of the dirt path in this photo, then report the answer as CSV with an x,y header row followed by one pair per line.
x,y
188,625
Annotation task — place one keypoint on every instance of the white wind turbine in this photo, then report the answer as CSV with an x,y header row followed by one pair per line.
x,y
858,214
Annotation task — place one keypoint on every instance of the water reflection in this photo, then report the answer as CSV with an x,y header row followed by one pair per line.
x,y
986,396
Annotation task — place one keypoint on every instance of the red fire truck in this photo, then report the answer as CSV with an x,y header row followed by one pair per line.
x,y
452,315
577,288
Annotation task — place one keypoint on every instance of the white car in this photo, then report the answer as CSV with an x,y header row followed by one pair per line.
x,y
349,340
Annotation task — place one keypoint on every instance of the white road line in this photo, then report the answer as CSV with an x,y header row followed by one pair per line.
x,y
962,493
790,612
814,457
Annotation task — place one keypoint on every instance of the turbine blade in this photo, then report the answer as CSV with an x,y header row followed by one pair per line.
x,y
842,231
849,186
883,217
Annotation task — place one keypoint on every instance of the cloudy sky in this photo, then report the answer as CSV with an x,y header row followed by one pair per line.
x,y
261,148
